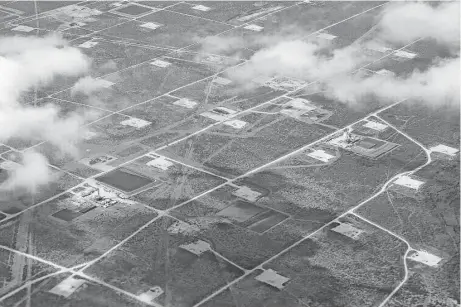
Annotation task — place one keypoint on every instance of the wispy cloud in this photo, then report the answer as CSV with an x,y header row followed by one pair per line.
x,y
29,175
406,22
439,85
293,54
88,85
27,63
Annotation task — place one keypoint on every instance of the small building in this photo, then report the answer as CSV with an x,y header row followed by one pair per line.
x,y
409,182
67,286
247,194
348,230
198,247
292,112
272,278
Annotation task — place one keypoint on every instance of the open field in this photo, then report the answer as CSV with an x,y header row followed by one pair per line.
x,y
431,126
87,294
439,287
155,258
320,272
189,191
80,233
229,151
16,270
15,201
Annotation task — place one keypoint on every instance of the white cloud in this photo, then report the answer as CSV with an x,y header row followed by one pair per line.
x,y
17,44
298,59
438,85
88,85
44,123
27,63
36,67
408,21
30,174
289,54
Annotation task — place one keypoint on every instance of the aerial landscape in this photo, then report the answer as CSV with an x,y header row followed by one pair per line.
x,y
230,153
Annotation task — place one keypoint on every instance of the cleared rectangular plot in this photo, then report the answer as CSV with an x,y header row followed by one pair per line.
x,y
67,286
190,277
320,155
447,150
